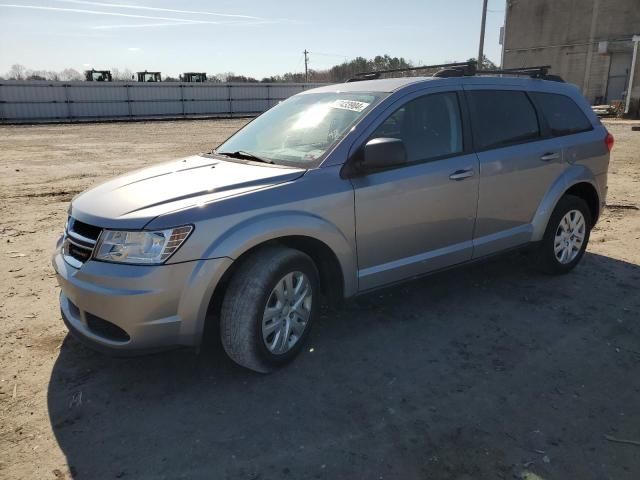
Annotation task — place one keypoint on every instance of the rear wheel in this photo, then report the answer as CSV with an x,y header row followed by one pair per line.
x,y
567,235
269,307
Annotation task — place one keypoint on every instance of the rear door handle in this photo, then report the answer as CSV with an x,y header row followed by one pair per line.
x,y
461,174
550,156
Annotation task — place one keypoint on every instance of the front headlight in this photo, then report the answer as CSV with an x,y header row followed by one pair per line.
x,y
141,247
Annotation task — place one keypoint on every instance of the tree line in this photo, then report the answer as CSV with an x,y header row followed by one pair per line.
x,y
337,73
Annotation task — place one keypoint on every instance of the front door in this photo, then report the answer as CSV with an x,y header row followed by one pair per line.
x,y
419,217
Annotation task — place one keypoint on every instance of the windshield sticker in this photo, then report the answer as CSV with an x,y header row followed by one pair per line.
x,y
352,105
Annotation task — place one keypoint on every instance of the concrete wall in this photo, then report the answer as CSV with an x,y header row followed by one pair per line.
x,y
43,101
565,34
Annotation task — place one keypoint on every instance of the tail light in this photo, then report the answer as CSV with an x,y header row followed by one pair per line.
x,y
609,140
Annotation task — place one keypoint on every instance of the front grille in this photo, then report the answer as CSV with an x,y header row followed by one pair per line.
x,y
79,253
79,241
106,329
84,229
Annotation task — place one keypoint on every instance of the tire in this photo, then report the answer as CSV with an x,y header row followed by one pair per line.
x,y
548,258
245,304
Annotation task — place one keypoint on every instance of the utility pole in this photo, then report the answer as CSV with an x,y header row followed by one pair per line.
x,y
306,65
503,33
481,46
592,39
636,41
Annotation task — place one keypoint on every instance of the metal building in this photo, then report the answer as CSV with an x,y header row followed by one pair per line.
x,y
589,43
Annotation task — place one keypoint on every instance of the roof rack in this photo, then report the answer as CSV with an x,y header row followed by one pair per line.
x,y
466,69
461,68
541,72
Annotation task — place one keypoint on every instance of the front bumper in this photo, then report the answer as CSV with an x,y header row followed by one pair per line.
x,y
137,308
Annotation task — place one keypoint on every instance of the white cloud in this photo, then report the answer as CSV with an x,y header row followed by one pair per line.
x,y
134,49
242,20
156,9
116,14
138,25
192,22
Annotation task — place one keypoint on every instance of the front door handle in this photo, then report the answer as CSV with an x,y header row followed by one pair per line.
x,y
461,174
550,156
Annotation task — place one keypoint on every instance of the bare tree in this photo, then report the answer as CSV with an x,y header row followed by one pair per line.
x,y
70,74
53,76
224,76
42,75
36,75
125,75
17,72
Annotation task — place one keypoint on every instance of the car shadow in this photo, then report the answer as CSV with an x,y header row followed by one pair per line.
x,y
481,372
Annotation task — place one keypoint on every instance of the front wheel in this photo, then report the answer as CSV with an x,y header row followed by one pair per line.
x,y
269,307
567,235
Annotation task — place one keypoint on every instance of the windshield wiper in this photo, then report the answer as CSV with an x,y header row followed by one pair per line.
x,y
245,155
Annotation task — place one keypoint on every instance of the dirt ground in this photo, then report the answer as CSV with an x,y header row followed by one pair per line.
x,y
489,371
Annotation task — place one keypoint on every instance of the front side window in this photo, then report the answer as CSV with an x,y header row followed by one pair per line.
x,y
429,126
502,118
300,130
561,113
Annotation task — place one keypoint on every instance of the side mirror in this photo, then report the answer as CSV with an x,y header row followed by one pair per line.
x,y
381,153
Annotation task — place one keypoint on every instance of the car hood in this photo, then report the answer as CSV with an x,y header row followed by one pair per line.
x,y
134,199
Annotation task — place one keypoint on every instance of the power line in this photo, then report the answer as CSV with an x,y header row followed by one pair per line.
x,y
329,54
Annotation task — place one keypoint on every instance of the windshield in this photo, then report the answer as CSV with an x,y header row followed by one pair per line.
x,y
301,129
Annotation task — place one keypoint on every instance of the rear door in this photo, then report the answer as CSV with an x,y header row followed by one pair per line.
x,y
518,160
567,122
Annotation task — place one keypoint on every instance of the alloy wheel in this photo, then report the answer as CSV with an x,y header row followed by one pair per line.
x,y
570,236
287,312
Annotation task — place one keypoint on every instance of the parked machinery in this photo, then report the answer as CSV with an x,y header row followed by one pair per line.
x,y
98,75
193,77
149,76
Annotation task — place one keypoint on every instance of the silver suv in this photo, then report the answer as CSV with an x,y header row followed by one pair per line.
x,y
334,192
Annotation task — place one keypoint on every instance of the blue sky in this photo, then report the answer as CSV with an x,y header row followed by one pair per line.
x,y
249,37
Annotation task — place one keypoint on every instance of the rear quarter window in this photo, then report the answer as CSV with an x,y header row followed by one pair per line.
x,y
561,113
502,118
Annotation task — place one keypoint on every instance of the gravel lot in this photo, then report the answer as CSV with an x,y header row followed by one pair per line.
x,y
489,371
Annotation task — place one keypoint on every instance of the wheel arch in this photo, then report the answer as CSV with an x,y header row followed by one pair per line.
x,y
329,268
331,250
576,181
332,279
589,194
314,235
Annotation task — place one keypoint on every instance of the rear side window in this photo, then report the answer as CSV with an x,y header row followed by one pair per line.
x,y
561,113
502,118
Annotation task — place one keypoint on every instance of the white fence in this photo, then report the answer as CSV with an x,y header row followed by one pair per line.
x,y
43,101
